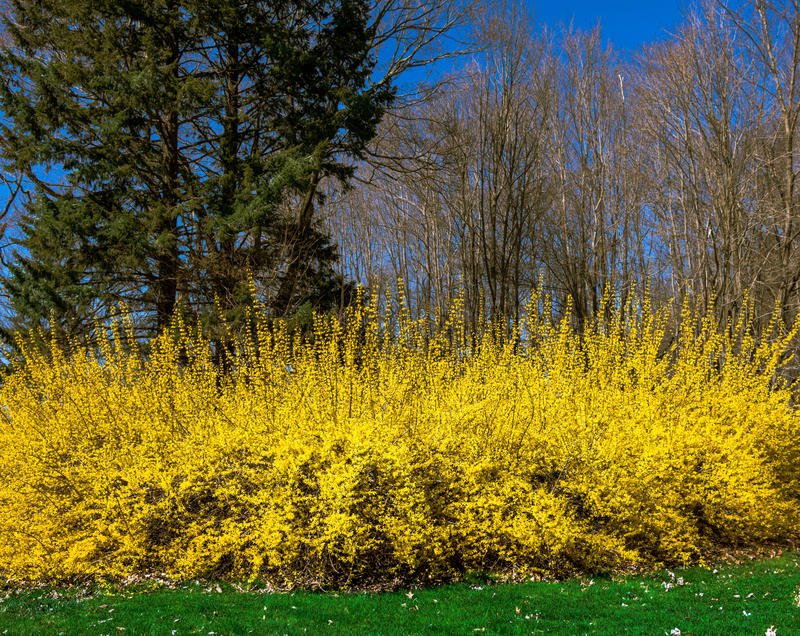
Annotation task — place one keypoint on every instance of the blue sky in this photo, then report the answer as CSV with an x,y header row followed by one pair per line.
x,y
626,23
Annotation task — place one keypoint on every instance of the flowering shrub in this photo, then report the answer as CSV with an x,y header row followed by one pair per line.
x,y
355,456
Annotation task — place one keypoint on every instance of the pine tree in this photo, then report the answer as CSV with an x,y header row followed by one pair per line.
x,y
183,129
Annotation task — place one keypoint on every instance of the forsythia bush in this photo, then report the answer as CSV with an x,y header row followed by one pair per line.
x,y
366,455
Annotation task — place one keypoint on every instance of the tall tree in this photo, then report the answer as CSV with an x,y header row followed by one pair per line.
x,y
596,231
770,36
456,203
182,127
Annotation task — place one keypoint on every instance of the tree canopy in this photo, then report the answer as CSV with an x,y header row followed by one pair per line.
x,y
184,129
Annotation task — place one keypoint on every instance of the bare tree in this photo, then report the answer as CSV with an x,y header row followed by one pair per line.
x,y
459,194
770,42
530,164
408,35
395,224
597,232
497,140
710,121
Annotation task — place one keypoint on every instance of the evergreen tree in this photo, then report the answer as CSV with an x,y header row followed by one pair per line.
x,y
183,128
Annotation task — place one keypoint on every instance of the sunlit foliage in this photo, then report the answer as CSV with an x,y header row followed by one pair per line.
x,y
359,453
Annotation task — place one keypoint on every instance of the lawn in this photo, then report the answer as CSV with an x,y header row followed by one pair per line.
x,y
745,598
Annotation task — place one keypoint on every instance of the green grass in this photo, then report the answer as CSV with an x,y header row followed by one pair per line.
x,y
739,599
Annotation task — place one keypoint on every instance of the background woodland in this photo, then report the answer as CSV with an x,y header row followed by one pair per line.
x,y
542,158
